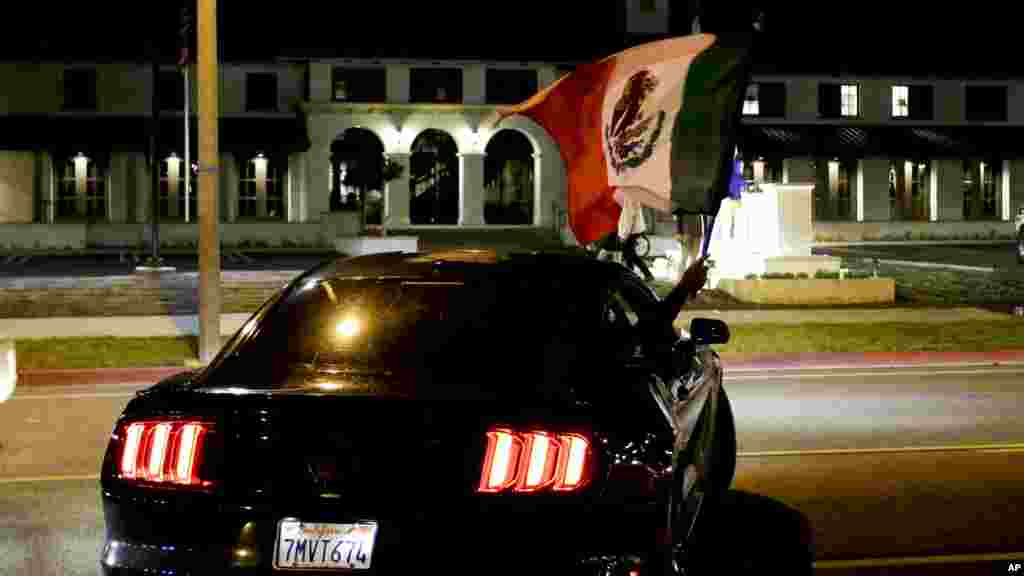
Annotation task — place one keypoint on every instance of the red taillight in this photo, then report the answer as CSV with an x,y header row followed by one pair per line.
x,y
163,451
534,461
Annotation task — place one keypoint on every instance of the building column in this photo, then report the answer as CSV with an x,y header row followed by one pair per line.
x,y
296,191
798,170
474,84
471,188
950,190
1006,211
117,189
229,187
143,184
318,188
541,214
44,209
1016,187
396,194
398,82
933,191
873,195
826,176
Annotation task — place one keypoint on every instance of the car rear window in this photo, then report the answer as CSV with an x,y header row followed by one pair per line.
x,y
492,335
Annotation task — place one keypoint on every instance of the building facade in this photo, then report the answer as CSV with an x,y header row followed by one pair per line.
x,y
302,138
897,157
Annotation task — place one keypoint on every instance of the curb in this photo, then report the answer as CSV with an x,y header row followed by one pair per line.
x,y
778,362
839,360
96,376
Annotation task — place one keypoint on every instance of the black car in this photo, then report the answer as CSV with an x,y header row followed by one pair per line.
x,y
430,413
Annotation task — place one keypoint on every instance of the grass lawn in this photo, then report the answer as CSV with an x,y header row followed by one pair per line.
x,y
747,340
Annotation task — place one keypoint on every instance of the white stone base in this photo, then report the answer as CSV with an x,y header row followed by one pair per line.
x,y
809,265
362,245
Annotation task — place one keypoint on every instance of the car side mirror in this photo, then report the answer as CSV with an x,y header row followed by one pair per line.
x,y
705,331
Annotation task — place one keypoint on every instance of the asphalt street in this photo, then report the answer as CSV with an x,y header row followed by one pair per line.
x,y
922,468
1002,256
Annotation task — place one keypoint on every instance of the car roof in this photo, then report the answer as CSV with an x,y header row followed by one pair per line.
x,y
447,263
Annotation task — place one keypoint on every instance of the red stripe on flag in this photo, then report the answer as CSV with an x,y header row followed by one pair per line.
x,y
570,111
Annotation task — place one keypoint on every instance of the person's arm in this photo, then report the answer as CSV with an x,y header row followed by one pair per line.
x,y
694,278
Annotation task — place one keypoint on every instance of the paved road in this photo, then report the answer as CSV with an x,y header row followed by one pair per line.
x,y
1002,256
906,463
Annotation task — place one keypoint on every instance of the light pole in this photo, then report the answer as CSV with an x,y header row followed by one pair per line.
x,y
209,171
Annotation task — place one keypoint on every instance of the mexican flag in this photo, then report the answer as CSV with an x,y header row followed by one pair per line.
x,y
655,125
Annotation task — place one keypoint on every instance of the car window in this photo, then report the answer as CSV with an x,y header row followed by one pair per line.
x,y
620,325
496,333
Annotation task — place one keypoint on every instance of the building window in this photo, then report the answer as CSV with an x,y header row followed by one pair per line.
x,y
359,84
908,190
751,103
985,103
82,190
172,190
261,189
261,92
80,89
848,104
510,86
172,90
900,101
647,6
440,85
765,99
913,102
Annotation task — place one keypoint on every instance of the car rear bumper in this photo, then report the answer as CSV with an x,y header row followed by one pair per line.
x,y
148,537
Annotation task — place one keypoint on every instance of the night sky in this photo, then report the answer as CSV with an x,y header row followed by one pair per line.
x,y
834,37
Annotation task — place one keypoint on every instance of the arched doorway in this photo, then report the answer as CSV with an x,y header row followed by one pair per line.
x,y
434,179
508,179
357,164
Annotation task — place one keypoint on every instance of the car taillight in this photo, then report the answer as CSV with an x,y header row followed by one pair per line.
x,y
534,461
166,452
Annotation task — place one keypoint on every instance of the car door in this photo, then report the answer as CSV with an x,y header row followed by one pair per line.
x,y
638,389
686,396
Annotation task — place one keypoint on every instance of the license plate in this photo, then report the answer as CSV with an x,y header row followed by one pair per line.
x,y
319,546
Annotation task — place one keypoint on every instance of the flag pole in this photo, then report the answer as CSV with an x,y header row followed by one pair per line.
x,y
188,155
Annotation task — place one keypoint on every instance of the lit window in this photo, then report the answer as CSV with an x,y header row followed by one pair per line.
x,y
848,100
751,103
900,101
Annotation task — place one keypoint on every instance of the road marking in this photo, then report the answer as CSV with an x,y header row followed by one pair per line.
x,y
785,373
918,560
32,479
1009,447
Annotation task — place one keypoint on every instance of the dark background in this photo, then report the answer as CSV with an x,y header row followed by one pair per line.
x,y
827,37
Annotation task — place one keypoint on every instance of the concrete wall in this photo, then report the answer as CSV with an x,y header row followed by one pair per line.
x,y
125,88
17,185
38,236
122,89
39,87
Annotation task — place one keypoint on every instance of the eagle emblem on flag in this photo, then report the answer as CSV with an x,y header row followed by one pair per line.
x,y
630,135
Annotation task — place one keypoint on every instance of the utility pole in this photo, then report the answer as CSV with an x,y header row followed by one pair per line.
x,y
209,172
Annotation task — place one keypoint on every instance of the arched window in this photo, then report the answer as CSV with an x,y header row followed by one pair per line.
x,y
434,179
509,179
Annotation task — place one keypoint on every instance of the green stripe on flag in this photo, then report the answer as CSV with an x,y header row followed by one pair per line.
x,y
704,133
